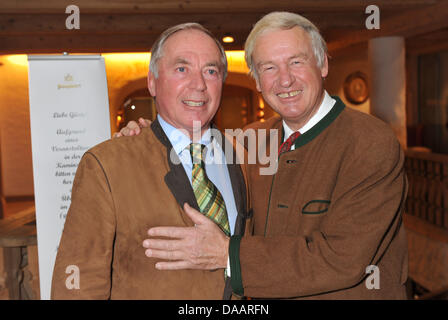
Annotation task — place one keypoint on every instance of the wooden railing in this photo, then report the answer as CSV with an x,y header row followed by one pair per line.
x,y
428,186
426,222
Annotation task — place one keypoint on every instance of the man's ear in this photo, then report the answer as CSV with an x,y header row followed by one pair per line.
x,y
324,69
257,82
151,83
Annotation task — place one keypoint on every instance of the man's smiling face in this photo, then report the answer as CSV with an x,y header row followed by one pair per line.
x,y
190,79
287,74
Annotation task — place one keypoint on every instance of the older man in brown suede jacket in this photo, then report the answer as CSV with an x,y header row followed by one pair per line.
x,y
125,186
332,214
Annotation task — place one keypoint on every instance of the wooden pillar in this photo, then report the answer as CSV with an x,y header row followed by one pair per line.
x,y
2,215
388,83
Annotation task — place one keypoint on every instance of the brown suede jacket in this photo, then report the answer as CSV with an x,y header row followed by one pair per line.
x,y
333,209
122,188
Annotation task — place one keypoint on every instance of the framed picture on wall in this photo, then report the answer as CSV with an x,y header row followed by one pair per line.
x,y
356,90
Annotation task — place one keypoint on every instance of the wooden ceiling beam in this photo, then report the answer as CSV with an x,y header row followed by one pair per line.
x,y
102,23
407,24
428,43
338,20
108,23
205,6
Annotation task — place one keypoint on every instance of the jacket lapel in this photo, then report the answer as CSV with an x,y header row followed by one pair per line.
x,y
239,193
176,179
237,181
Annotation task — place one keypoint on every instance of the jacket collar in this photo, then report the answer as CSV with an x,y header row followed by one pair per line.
x,y
177,181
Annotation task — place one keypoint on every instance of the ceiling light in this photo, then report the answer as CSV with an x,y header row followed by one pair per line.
x,y
228,39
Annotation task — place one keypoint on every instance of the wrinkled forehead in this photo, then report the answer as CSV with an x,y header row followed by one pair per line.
x,y
279,40
191,42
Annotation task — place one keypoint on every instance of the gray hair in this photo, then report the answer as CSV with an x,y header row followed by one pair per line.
x,y
157,48
285,21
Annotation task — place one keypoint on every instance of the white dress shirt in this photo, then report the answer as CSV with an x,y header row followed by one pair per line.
x,y
325,107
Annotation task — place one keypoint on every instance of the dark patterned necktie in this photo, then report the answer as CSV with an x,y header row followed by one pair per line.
x,y
286,146
210,200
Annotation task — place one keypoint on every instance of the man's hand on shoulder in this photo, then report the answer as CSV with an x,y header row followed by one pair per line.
x,y
133,128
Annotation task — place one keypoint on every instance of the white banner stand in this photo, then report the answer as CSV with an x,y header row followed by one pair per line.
x,y
69,112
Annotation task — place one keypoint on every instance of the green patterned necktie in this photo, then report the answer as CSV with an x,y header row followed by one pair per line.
x,y
210,201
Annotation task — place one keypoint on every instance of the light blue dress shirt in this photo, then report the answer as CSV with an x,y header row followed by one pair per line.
x,y
215,164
